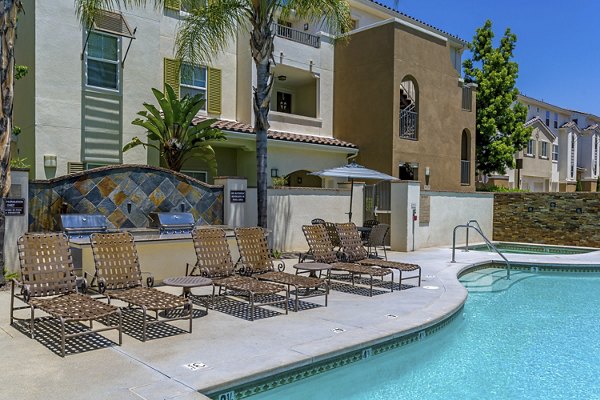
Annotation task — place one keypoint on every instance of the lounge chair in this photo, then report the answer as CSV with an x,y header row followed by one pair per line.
x,y
48,282
370,223
118,276
376,239
214,262
323,251
256,261
352,250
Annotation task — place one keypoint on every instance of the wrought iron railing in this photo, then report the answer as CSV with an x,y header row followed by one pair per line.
x,y
297,36
408,124
465,172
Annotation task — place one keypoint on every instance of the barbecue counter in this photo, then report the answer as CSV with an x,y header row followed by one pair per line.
x,y
162,251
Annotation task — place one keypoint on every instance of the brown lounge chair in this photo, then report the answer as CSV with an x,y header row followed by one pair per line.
x,y
256,261
48,282
214,262
322,250
118,276
376,238
352,250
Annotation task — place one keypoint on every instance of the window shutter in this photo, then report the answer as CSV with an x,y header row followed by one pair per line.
x,y
171,74
173,5
213,96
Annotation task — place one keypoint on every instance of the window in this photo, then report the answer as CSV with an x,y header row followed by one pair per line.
x,y
547,118
284,102
543,149
102,67
200,175
193,81
531,148
554,152
555,120
354,24
409,171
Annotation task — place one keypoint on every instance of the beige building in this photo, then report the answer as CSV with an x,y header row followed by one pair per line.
x,y
399,96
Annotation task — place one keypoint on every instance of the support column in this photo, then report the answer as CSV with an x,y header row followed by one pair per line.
x,y
405,199
235,196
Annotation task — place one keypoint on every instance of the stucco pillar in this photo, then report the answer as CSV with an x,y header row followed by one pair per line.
x,y
235,190
16,225
405,198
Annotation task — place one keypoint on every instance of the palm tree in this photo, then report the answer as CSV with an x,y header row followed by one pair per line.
x,y
172,133
8,16
209,25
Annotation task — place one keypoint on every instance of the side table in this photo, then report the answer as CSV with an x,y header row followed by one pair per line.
x,y
187,283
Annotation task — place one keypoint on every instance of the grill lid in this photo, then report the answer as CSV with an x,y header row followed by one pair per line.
x,y
75,222
167,219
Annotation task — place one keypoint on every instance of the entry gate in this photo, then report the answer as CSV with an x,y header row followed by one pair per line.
x,y
377,203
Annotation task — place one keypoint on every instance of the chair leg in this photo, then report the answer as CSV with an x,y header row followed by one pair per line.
x,y
384,252
120,326
400,280
190,305
287,300
297,302
371,289
12,301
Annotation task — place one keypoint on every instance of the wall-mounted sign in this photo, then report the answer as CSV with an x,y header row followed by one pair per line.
x,y
237,196
14,206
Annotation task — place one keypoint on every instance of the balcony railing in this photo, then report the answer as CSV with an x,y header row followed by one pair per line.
x,y
297,36
408,124
465,172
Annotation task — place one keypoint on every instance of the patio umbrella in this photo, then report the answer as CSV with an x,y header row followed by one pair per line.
x,y
354,171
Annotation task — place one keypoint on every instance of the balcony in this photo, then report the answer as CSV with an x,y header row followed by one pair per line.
x,y
465,172
297,36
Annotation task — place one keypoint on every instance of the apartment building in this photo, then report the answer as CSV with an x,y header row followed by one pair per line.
x,y
399,96
85,86
562,150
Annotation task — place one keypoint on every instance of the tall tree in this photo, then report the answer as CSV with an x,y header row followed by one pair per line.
x,y
500,117
8,17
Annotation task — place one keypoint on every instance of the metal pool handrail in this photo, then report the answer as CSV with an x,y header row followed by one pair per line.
x,y
487,241
474,222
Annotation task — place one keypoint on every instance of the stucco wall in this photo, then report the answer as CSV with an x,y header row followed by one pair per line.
x,y
376,61
550,218
290,208
448,210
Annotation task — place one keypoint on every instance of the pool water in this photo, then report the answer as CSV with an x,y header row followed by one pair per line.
x,y
537,337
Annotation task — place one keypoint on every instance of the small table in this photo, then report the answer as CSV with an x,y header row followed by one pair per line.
x,y
187,283
312,269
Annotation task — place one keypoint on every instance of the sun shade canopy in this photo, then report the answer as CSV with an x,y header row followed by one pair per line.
x,y
354,171
113,23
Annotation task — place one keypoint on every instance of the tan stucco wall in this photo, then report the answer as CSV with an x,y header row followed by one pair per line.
x,y
367,111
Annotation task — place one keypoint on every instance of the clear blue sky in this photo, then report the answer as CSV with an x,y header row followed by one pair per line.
x,y
558,42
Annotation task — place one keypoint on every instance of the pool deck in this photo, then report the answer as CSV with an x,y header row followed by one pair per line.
x,y
236,350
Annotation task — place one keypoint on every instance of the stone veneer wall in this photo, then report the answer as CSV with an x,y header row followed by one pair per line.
x,y
107,191
571,219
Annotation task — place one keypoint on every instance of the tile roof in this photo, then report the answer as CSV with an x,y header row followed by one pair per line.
x,y
238,127
592,127
418,21
543,126
570,124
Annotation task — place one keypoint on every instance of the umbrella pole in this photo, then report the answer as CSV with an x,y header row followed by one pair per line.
x,y
351,194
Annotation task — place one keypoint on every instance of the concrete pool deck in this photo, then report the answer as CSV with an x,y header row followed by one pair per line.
x,y
235,350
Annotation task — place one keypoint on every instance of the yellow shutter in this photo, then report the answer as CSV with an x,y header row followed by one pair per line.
x,y
173,4
213,96
171,74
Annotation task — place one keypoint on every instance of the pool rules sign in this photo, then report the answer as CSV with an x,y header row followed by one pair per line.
x,y
14,207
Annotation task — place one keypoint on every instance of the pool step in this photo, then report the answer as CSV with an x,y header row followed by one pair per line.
x,y
492,280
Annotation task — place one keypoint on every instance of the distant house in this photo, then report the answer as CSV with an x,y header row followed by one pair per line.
x,y
563,150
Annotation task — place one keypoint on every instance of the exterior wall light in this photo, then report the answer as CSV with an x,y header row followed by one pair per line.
x,y
274,172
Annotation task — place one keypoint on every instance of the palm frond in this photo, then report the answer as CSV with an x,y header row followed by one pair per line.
x,y
86,10
207,29
334,14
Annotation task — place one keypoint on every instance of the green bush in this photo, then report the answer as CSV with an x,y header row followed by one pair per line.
x,y
279,181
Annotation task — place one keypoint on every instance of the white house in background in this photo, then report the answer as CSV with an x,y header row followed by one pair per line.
x,y
588,151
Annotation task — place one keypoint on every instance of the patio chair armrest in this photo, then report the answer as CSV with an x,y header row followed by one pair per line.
x,y
101,285
243,269
84,283
149,279
25,290
280,265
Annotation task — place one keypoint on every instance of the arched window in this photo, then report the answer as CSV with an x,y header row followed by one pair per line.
x,y
409,108
465,158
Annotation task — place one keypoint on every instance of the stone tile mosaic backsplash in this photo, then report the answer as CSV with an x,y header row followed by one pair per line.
x,y
109,190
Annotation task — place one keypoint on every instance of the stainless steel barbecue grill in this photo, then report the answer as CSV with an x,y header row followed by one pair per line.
x,y
83,225
172,222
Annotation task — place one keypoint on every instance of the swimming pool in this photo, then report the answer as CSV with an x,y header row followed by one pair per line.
x,y
520,248
536,336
